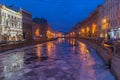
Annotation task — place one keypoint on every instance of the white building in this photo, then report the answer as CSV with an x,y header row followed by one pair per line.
x,y
10,24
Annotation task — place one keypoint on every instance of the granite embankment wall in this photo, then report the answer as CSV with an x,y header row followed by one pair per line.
x,y
110,58
104,52
6,47
115,63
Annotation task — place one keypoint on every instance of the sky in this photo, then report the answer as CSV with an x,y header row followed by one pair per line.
x,y
62,15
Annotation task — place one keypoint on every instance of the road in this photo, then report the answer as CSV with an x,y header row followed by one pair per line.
x,y
56,60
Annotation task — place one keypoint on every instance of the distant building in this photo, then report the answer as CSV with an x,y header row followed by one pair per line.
x,y
46,32
91,27
27,24
10,24
59,34
36,31
44,26
41,21
87,28
50,32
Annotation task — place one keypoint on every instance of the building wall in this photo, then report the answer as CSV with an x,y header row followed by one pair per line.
x,y
106,18
27,24
10,24
44,26
89,27
110,19
50,32
36,31
40,31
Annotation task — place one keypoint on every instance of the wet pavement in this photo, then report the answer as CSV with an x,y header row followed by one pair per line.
x,y
56,60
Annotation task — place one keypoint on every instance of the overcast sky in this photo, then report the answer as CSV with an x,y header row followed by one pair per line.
x,y
61,14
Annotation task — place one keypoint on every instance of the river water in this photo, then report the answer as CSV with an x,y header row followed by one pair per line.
x,y
63,59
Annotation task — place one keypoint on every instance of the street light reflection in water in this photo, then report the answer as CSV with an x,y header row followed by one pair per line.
x,y
38,51
50,49
87,66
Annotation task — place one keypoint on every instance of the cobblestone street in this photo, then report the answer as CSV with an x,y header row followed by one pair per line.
x,y
56,60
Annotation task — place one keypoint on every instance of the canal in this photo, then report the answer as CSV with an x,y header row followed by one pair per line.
x,y
56,60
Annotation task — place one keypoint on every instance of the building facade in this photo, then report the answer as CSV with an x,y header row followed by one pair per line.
x,y
104,22
36,31
110,19
27,24
40,31
46,32
87,28
50,32
10,24
44,26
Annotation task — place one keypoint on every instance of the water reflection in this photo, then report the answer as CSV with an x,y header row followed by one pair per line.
x,y
38,51
73,44
88,60
50,48
82,48
60,40
60,57
12,63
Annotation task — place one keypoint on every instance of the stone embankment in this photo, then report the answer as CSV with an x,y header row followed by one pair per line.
x,y
14,45
104,52
110,58
115,63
